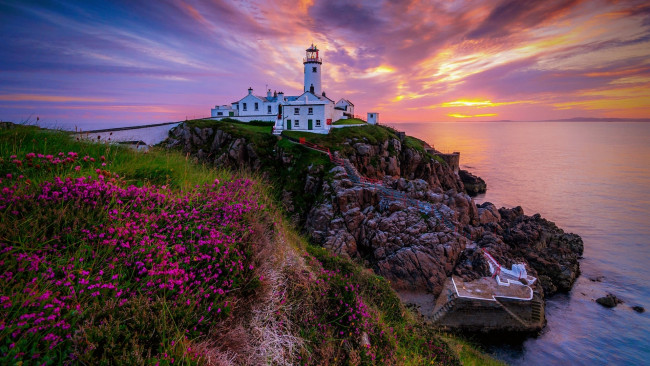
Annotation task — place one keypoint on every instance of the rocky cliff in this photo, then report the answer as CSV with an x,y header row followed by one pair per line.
x,y
415,249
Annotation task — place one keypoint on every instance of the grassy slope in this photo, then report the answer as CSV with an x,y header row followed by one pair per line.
x,y
371,134
282,178
350,121
315,308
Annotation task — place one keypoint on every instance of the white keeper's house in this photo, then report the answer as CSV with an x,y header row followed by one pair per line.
x,y
310,111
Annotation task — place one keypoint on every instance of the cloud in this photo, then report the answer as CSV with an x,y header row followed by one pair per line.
x,y
48,98
510,16
409,60
459,115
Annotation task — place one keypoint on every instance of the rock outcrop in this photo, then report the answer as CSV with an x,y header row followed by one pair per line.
x,y
413,250
392,159
474,185
510,236
419,235
417,251
609,301
215,146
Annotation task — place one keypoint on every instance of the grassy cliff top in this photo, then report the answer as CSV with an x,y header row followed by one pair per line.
x,y
371,134
350,121
116,256
338,137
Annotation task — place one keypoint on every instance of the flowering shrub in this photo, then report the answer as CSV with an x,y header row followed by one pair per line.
x,y
87,263
358,319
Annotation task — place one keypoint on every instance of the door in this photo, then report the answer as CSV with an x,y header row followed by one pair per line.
x,y
310,124
288,124
231,114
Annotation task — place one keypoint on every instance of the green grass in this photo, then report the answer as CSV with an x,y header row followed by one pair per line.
x,y
125,334
469,354
291,177
418,145
349,121
396,335
414,143
158,166
240,128
335,140
92,236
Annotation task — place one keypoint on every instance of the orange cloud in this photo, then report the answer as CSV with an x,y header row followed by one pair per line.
x,y
480,103
632,98
615,72
458,115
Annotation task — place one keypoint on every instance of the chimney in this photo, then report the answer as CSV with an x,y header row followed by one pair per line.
x,y
281,96
324,94
268,93
275,93
250,91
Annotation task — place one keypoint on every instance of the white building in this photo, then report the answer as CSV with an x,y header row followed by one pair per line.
x,y
311,111
343,109
373,118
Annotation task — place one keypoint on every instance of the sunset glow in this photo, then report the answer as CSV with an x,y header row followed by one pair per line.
x,y
410,61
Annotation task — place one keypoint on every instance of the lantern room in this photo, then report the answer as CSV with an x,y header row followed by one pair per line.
x,y
312,55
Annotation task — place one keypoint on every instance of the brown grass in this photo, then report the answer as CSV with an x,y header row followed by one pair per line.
x,y
260,330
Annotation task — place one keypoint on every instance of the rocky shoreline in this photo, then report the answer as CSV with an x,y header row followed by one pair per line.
x,y
415,251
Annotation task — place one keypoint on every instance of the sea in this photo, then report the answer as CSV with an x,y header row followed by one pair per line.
x,y
590,178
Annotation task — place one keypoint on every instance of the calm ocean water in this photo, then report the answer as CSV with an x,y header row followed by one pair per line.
x,y
592,179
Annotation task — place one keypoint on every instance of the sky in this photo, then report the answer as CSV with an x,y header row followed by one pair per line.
x,y
97,64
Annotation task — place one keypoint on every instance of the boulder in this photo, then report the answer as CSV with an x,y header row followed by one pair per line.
x,y
473,184
488,213
609,301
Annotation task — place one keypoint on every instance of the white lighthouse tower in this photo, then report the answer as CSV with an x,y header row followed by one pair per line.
x,y
312,71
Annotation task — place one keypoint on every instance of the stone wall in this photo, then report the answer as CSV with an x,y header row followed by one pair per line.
x,y
471,315
453,160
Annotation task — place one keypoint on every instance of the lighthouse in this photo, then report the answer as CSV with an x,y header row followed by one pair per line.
x,y
310,111
313,65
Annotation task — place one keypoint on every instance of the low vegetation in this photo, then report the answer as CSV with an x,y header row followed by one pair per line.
x,y
349,121
110,255
337,139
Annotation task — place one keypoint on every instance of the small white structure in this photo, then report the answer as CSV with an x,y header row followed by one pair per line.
x,y
310,111
505,277
373,118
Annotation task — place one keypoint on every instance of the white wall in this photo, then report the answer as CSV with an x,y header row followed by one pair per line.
x,y
224,110
373,118
270,118
250,101
319,113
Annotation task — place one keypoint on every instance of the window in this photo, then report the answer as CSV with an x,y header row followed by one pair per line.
x,y
310,110
296,111
219,113
317,123
314,69
296,123
257,106
371,115
268,109
244,106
